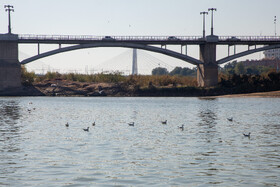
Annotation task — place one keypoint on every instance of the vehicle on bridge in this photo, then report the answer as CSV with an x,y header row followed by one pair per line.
x,y
173,38
108,38
233,39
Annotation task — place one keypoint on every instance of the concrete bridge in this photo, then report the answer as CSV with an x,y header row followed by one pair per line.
x,y
207,64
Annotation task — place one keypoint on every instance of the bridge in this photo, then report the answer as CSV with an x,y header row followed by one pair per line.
x,y
207,64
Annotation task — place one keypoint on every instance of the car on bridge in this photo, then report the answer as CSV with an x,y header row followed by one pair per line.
x,y
108,38
173,38
233,39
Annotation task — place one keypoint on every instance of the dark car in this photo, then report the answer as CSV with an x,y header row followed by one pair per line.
x,y
234,39
108,38
172,38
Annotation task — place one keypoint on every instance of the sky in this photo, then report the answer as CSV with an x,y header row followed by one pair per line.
x,y
136,18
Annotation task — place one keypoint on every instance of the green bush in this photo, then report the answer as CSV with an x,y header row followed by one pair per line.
x,y
27,78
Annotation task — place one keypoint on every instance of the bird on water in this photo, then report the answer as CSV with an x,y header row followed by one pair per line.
x,y
230,119
131,124
67,124
247,135
93,124
87,129
164,122
182,127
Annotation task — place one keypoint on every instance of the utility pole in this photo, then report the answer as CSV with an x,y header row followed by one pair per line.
x,y
204,13
212,9
9,8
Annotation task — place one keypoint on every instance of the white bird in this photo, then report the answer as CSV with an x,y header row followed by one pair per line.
x,y
131,124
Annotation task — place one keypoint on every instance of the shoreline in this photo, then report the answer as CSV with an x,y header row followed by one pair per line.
x,y
270,94
63,88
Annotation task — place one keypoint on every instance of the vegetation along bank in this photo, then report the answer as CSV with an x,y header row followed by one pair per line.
x,y
233,79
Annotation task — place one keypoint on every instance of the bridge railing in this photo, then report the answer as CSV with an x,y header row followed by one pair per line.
x,y
141,38
91,37
250,38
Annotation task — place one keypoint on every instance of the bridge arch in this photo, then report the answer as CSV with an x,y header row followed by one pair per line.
x,y
232,57
115,44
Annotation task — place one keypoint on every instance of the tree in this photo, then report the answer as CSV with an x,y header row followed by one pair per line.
x,y
159,71
188,72
183,71
239,69
176,71
27,78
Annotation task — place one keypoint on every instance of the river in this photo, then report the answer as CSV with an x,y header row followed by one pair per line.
x,y
37,149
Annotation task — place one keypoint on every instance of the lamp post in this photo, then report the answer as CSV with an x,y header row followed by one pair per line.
x,y
204,13
212,9
9,8
275,24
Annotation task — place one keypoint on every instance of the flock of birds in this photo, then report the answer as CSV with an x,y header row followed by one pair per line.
x,y
131,124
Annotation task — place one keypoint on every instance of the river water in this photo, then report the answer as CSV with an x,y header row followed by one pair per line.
x,y
37,149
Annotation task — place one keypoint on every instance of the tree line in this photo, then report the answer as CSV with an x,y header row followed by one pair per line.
x,y
238,68
231,68
179,71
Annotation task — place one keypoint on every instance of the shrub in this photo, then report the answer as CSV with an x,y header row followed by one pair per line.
x,y
27,78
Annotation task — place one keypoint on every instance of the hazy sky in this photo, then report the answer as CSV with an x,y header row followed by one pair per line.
x,y
133,17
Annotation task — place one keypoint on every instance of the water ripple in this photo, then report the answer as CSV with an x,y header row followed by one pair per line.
x,y
37,149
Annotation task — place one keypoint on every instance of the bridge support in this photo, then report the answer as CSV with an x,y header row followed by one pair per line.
x,y
10,69
207,73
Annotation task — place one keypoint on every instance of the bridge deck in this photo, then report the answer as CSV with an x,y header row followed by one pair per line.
x,y
148,40
158,40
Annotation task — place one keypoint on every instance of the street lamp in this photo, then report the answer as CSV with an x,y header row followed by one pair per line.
x,y
204,13
9,8
212,9
275,25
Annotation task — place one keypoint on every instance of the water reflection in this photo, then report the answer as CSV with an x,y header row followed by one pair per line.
x,y
209,139
207,113
9,111
208,118
9,135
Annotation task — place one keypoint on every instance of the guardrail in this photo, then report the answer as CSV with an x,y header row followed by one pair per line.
x,y
90,37
250,38
142,38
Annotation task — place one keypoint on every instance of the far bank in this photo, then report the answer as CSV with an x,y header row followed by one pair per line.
x,y
115,84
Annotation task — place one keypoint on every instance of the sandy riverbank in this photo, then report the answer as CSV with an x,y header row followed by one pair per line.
x,y
260,94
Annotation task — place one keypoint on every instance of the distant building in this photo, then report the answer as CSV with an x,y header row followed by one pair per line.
x,y
267,62
272,54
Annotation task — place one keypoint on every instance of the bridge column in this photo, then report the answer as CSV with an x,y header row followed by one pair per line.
x,y
207,73
10,69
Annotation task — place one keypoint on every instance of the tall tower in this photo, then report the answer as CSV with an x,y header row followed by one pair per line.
x,y
134,62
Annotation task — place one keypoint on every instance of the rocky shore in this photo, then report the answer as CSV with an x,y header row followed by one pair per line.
x,y
66,88
79,89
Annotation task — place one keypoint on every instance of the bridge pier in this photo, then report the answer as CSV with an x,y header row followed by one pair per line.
x,y
10,69
207,73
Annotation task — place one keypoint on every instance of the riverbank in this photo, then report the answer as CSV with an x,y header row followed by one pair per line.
x,y
80,89
259,94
